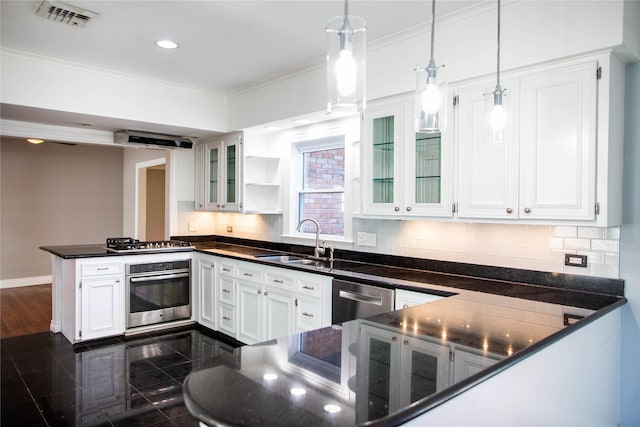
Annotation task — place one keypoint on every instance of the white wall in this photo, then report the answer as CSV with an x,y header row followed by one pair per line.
x,y
532,32
630,256
105,93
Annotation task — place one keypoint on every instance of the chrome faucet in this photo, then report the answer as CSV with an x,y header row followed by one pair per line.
x,y
317,251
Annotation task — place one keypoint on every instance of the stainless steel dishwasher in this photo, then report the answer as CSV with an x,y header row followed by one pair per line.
x,y
355,301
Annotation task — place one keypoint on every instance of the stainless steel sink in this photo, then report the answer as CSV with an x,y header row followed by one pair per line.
x,y
285,259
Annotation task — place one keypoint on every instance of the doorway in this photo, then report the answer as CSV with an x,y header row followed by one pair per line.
x,y
151,190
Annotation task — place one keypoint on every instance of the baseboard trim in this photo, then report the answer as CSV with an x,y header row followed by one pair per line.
x,y
24,281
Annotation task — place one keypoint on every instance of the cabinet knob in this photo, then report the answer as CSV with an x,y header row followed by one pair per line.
x,y
266,293
527,210
259,291
217,206
394,339
396,209
405,305
406,342
509,210
222,206
408,208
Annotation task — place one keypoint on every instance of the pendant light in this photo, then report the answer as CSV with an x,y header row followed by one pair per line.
x,y
431,91
346,39
497,116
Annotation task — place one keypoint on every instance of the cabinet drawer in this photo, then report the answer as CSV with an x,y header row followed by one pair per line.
x,y
228,290
280,281
309,288
309,314
250,274
227,269
228,319
101,269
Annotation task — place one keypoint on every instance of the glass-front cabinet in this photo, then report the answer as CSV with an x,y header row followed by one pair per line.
x,y
404,173
220,171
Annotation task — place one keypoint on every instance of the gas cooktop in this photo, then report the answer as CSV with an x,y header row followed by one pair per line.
x,y
129,245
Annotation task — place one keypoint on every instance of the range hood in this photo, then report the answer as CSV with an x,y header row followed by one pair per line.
x,y
152,140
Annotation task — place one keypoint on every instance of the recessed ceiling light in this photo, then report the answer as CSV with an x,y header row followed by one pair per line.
x,y
35,140
167,44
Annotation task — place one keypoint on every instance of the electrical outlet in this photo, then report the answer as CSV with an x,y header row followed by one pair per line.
x,y
366,239
575,260
193,225
229,229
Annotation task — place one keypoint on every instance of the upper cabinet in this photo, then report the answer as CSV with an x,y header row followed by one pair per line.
x,y
556,158
403,173
544,167
219,173
559,160
233,175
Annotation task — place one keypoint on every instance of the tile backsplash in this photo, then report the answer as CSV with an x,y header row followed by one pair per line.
x,y
531,247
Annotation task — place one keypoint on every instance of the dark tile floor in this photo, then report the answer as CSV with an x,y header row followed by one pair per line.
x,y
45,381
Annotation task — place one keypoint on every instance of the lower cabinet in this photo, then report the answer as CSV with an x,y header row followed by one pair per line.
x,y
406,298
252,302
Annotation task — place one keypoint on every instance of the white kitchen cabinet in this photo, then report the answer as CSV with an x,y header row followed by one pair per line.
x,y
227,289
403,173
468,362
206,277
101,288
219,173
262,187
395,369
313,301
405,298
545,166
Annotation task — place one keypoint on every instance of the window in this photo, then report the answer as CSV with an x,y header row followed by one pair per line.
x,y
321,186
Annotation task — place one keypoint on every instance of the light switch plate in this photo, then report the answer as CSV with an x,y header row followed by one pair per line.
x,y
193,226
366,239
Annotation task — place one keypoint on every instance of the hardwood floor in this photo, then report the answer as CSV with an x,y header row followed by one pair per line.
x,y
25,310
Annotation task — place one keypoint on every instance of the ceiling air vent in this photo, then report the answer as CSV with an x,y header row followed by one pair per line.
x,y
65,13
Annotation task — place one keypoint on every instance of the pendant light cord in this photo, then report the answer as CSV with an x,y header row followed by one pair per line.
x,y
433,29
498,65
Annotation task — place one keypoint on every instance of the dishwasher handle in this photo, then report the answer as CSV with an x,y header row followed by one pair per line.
x,y
360,297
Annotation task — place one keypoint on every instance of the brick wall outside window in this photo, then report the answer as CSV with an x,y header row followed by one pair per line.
x,y
323,170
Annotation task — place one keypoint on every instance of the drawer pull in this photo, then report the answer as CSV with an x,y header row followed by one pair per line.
x,y
248,274
226,318
102,268
226,269
308,287
226,291
277,281
307,314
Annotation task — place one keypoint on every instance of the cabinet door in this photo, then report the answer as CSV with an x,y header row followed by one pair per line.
x,y
382,160
279,312
200,170
308,314
102,307
557,137
230,190
250,313
467,363
213,172
487,171
206,284
428,171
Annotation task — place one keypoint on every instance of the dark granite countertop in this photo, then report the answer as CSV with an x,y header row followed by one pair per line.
x,y
383,370
495,317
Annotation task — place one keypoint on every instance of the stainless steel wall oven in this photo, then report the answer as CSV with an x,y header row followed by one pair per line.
x,y
158,292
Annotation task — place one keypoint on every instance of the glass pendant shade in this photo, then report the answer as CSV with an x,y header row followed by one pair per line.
x,y
346,40
430,102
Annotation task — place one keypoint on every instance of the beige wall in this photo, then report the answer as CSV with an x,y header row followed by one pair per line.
x,y
155,203
53,194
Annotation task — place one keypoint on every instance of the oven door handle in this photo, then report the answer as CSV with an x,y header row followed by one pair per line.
x,y
160,277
